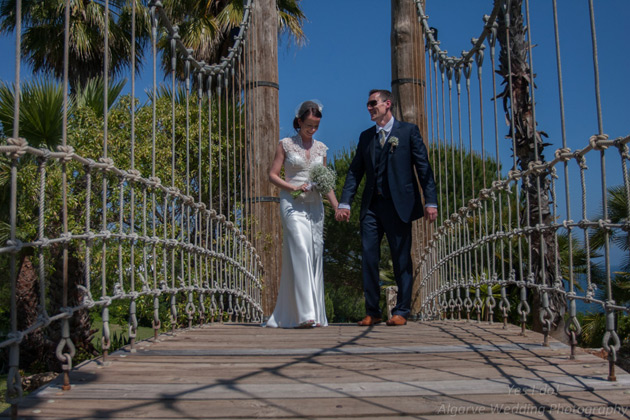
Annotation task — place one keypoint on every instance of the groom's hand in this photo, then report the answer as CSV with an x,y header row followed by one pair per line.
x,y
342,215
431,213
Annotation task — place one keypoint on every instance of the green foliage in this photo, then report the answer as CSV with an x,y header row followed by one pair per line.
x,y
41,112
347,304
342,252
617,203
460,175
86,208
594,328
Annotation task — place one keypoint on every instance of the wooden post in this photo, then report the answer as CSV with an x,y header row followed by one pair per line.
x,y
266,126
408,88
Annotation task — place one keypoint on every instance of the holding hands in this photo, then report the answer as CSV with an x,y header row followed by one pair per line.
x,y
342,215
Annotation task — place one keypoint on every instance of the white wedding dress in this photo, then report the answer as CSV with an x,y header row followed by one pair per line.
x,y
301,294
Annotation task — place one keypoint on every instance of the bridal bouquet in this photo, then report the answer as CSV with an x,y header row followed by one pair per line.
x,y
321,178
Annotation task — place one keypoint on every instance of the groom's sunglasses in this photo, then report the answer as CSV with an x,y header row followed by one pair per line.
x,y
372,103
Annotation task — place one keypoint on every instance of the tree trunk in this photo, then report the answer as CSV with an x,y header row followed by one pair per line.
x,y
528,148
408,88
265,121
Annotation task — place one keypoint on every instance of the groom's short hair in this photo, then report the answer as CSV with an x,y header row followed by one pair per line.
x,y
385,95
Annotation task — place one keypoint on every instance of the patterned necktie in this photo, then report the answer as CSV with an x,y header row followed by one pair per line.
x,y
381,137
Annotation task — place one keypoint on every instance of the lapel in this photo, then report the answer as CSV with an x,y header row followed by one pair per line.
x,y
372,147
393,133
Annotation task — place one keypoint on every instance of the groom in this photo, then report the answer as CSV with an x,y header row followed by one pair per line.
x,y
387,155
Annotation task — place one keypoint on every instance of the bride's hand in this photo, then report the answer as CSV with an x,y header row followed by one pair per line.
x,y
304,187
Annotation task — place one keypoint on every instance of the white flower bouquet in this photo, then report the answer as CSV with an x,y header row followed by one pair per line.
x,y
321,178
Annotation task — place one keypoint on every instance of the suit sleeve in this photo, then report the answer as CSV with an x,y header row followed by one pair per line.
x,y
420,158
354,176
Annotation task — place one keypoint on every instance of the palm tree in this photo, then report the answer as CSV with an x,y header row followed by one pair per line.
x,y
208,27
617,213
43,36
41,112
527,147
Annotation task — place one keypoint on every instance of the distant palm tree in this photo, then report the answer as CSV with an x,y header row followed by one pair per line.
x,y
208,27
43,36
41,112
617,213
617,203
41,107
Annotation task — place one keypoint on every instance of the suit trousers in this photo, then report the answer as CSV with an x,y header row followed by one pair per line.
x,y
381,219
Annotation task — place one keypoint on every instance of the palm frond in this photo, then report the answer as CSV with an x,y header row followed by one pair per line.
x,y
91,95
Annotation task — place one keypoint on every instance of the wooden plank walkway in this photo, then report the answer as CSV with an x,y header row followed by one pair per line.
x,y
421,371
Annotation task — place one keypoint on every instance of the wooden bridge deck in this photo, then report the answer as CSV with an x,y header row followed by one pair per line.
x,y
419,371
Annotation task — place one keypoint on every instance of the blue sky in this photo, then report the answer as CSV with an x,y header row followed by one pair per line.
x,y
348,53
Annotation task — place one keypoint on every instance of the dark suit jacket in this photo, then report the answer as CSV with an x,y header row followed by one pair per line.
x,y
410,153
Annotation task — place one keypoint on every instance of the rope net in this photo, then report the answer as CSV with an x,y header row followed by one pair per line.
x,y
506,240
136,208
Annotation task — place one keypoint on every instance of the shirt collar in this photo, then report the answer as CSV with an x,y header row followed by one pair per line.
x,y
387,127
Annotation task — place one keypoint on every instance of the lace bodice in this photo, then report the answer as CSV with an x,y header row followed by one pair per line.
x,y
296,164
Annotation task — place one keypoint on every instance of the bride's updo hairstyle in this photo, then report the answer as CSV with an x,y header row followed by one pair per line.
x,y
306,109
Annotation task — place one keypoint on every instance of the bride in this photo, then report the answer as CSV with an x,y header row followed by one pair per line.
x,y
300,301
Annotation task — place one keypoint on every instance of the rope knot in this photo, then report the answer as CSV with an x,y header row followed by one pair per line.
x,y
603,224
475,203
43,318
536,167
90,164
485,193
16,245
21,145
597,140
514,174
497,185
44,158
17,336
155,181
107,162
134,175
44,242
564,154
68,152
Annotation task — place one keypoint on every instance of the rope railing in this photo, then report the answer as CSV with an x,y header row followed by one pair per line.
x,y
504,236
159,213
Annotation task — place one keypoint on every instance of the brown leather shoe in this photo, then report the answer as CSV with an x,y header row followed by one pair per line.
x,y
369,320
396,320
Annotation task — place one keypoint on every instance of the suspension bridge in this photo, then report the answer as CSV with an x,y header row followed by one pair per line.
x,y
164,209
